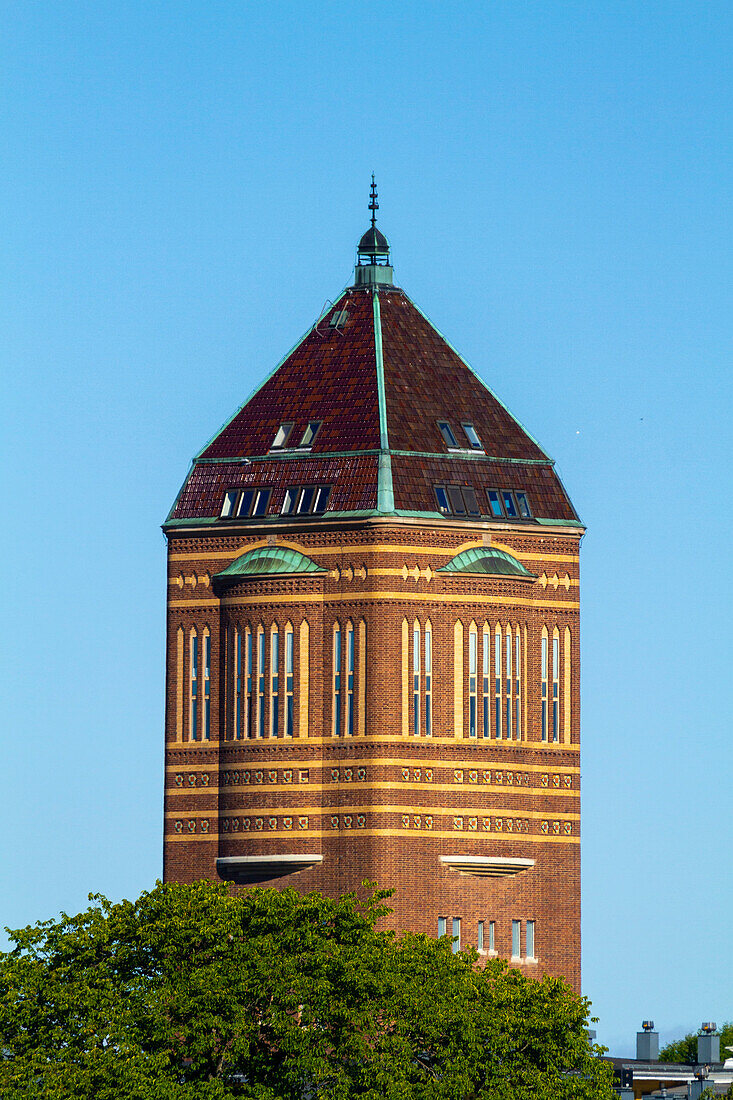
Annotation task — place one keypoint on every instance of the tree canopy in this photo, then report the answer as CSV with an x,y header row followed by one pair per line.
x,y
191,991
684,1051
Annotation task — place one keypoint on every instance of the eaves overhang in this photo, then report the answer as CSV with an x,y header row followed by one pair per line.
x,y
246,870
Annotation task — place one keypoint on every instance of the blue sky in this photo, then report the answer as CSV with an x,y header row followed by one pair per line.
x,y
183,185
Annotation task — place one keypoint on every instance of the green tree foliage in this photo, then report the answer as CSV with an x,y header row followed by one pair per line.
x,y
684,1051
190,992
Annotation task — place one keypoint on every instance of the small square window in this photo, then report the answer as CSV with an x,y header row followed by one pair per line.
x,y
511,508
523,505
281,436
306,500
442,498
310,433
261,501
471,436
288,502
469,497
447,432
323,492
245,502
230,499
456,500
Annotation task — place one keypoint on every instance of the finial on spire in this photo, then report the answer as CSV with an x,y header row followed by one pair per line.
x,y
373,204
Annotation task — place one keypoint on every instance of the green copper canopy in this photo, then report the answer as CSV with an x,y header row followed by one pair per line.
x,y
486,559
270,559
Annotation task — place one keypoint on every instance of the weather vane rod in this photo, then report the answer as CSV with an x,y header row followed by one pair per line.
x,y
373,204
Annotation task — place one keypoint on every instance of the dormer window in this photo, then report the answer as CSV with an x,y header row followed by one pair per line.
x,y
281,436
456,500
447,432
310,433
241,503
471,436
308,500
505,504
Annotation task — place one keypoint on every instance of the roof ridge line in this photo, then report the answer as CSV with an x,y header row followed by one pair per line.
x,y
478,377
385,485
267,377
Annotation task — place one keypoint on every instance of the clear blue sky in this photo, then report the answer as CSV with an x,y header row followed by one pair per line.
x,y
182,186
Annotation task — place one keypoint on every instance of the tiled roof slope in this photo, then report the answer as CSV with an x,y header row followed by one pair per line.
x,y
335,375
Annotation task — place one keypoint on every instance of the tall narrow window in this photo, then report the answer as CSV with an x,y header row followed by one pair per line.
x,y
555,685
274,681
261,675
248,704
207,685
480,936
416,678
447,432
516,939
337,680
517,685
530,939
442,926
361,692
566,686
509,683
497,682
428,679
236,659
485,679
456,935
289,679
543,674
304,679
350,668
194,688
492,935
472,680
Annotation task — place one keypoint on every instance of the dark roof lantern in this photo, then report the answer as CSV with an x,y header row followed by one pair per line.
x,y
373,246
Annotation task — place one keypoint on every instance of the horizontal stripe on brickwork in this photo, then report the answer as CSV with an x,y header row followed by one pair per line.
x,y
377,596
462,835
384,761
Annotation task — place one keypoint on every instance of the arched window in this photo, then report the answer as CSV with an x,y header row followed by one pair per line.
x,y
207,684
304,681
362,678
509,683
237,677
517,685
274,681
193,687
458,689
249,663
472,680
406,692
337,680
543,676
289,679
261,676
566,686
486,679
416,678
497,681
428,679
350,668
556,685
180,647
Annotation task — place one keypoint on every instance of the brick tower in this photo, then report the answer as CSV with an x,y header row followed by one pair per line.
x,y
372,663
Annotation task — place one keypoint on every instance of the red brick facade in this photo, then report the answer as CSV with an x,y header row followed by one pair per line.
x,y
260,766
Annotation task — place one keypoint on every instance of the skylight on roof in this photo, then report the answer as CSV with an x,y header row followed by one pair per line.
x,y
447,432
310,433
281,436
472,436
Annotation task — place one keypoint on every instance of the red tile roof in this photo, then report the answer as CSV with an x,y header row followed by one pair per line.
x,y
332,376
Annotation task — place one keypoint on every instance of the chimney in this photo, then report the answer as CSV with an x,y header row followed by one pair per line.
x,y
647,1043
708,1044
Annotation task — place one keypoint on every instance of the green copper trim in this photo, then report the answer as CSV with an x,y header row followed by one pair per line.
x,y
385,488
478,377
179,494
560,522
267,377
270,559
283,456
489,560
